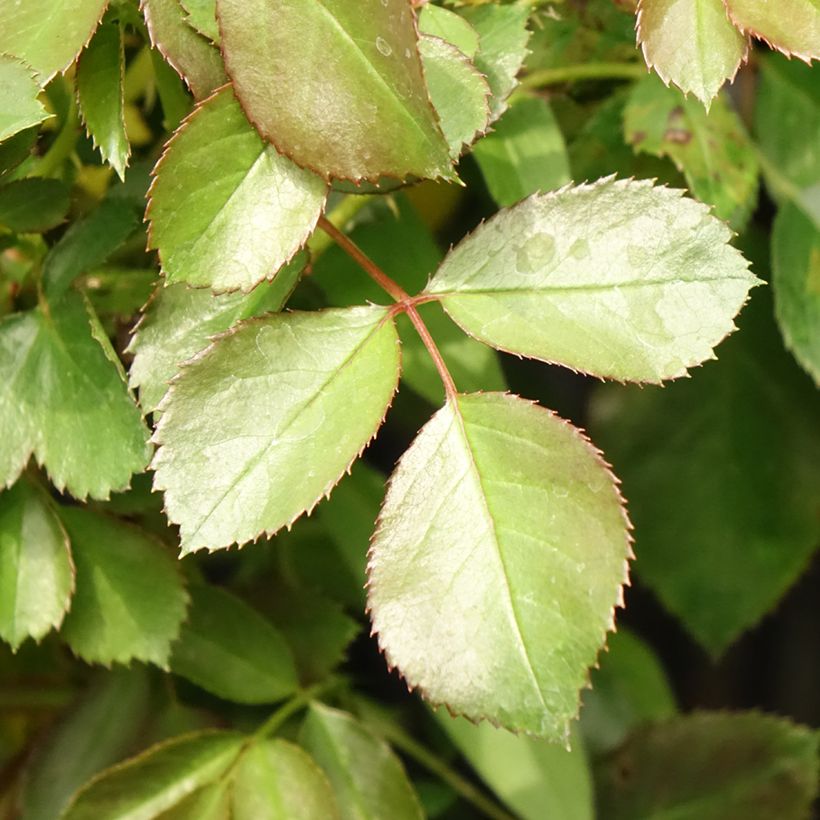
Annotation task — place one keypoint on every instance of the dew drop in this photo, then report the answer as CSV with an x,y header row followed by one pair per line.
x,y
536,253
579,249
383,46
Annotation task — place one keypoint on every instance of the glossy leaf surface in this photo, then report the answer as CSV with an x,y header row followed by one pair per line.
x,y
497,563
60,390
19,106
337,87
227,211
369,780
36,572
619,279
691,43
33,205
292,400
791,26
130,600
229,649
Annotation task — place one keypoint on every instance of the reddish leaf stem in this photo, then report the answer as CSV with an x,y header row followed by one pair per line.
x,y
404,301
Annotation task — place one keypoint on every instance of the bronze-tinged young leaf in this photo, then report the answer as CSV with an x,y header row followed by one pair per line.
x,y
369,780
159,779
48,34
19,106
497,563
712,149
336,86
100,76
712,766
264,422
790,26
36,572
64,399
130,599
33,205
229,649
619,279
196,60
179,321
796,283
227,211
691,43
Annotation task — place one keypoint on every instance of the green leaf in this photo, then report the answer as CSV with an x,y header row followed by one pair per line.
x,y
59,391
628,689
130,599
100,75
196,60
292,400
368,117
19,106
691,43
17,149
796,282
524,153
459,93
497,563
618,278
157,780
712,766
449,26
503,37
712,150
36,573
793,26
787,118
536,779
33,205
369,780
48,34
180,321
693,458
176,102
201,14
87,244
226,211
229,649
276,780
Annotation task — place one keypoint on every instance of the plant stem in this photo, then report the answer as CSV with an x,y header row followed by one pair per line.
x,y
432,348
340,216
63,144
583,71
290,708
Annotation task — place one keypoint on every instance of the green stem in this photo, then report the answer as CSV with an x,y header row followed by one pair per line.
x,y
340,217
63,145
583,71
298,702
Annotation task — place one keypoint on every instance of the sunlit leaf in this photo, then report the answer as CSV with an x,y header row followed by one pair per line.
x,y
19,106
336,86
130,600
791,26
618,278
36,573
497,563
369,781
691,43
292,400
226,210
33,205
447,25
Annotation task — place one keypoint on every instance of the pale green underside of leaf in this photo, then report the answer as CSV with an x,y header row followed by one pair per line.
x,y
33,205
19,106
447,25
712,149
195,59
201,14
264,422
62,399
36,573
712,766
229,649
130,600
369,781
226,210
618,279
459,93
796,282
524,154
497,563
535,778
336,86
691,43
790,26
180,321
100,75
48,34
